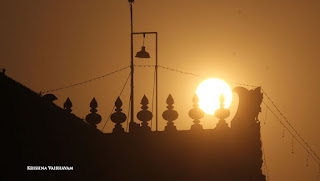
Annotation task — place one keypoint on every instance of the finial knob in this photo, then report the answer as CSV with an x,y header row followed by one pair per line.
x,y
170,115
144,115
118,117
196,113
93,118
67,105
222,113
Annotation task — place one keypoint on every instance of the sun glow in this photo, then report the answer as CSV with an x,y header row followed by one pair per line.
x,y
209,91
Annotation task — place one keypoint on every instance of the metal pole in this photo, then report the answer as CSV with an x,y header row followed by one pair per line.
x,y
156,81
132,70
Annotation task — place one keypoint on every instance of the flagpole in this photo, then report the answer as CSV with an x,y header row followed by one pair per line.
x,y
132,124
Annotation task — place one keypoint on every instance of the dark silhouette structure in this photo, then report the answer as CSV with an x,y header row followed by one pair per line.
x,y
36,132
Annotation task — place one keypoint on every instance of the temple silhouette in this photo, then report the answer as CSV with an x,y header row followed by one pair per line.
x,y
38,132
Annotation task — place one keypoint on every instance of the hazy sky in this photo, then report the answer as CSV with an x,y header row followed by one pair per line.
x,y
47,44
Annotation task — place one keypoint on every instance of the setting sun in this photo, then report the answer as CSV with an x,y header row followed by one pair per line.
x,y
209,91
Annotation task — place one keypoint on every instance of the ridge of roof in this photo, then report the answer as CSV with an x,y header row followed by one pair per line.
x,y
6,81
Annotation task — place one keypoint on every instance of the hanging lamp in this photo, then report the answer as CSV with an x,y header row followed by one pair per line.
x,y
143,53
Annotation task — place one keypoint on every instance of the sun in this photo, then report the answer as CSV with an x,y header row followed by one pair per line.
x,y
209,91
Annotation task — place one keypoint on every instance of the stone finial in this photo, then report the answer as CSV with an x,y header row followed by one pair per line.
x,y
222,113
93,118
196,114
144,115
170,115
118,117
67,105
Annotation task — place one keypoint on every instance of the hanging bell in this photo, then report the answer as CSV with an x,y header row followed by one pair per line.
x,y
143,53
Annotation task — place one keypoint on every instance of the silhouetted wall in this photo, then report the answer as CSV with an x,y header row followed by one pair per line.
x,y
37,132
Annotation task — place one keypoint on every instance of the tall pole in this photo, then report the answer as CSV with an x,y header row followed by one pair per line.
x,y
156,81
132,70
133,125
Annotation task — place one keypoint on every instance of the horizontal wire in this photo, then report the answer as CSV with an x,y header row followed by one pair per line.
x,y
175,70
144,65
84,82
96,78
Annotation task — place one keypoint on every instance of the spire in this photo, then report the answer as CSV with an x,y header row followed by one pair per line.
x,y
93,118
118,117
170,115
222,113
67,105
196,114
144,115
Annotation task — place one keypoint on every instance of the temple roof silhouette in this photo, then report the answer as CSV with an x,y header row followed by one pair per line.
x,y
38,132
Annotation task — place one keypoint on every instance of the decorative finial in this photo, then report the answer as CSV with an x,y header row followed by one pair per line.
x,y
67,105
144,115
196,113
170,115
222,113
118,117
93,118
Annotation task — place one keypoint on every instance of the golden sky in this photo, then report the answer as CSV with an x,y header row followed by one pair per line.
x,y
275,44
